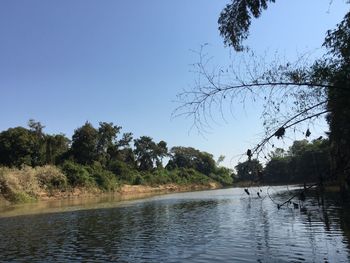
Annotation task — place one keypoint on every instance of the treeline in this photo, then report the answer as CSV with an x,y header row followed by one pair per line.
x,y
303,162
105,157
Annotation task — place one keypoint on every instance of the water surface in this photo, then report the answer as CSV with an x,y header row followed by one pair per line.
x,y
208,226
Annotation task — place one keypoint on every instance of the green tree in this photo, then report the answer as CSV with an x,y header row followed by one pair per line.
x,y
205,163
298,147
161,152
303,162
17,147
84,144
123,150
56,147
336,70
107,141
278,171
145,152
188,157
38,155
183,157
125,140
20,146
148,153
107,135
278,153
248,170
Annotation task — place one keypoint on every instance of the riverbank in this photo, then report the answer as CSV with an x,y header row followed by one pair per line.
x,y
127,191
29,185
82,199
124,192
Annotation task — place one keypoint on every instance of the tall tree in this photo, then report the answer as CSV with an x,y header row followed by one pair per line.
x,y
188,157
107,140
145,151
16,147
36,128
84,144
336,70
55,147
161,152
249,170
148,153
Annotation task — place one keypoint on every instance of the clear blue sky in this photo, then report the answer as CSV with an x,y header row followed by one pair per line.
x,y
70,61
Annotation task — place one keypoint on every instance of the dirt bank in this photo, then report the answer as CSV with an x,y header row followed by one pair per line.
x,y
124,192
78,198
135,189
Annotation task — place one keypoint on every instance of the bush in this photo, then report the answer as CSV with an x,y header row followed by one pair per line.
x,y
123,172
21,197
77,174
19,185
223,176
51,177
139,180
192,176
104,179
157,177
177,176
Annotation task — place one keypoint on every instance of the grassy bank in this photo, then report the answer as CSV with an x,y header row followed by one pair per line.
x,y
53,183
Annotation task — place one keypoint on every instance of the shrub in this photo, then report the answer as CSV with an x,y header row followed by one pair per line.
x,y
223,176
156,177
123,172
139,180
21,197
104,179
19,185
51,177
196,177
77,174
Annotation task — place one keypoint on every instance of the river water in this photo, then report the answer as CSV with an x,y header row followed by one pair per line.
x,y
208,226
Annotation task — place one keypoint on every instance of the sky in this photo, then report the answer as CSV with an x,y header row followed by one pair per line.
x,y
70,61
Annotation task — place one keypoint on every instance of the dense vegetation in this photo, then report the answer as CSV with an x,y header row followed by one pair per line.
x,y
101,157
303,162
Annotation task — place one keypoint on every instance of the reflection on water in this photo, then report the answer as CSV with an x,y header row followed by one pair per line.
x,y
72,204
221,225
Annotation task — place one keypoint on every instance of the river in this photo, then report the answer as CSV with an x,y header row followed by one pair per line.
x,y
223,225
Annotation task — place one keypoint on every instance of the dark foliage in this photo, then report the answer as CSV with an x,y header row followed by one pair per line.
x,y
235,19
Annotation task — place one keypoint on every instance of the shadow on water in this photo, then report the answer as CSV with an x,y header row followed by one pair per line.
x,y
326,221
220,226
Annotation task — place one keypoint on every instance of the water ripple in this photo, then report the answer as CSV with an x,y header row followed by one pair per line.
x,y
220,226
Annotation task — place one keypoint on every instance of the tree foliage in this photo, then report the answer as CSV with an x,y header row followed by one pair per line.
x,y
248,170
84,144
145,152
188,157
235,19
17,147
97,157
303,162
